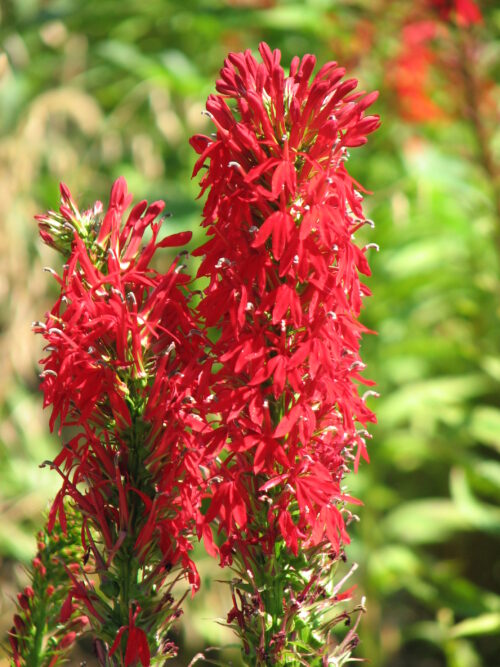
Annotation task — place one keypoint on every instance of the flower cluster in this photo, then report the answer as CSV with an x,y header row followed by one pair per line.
x,y
121,369
256,422
285,292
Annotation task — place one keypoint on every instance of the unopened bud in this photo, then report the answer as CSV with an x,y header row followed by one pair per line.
x,y
19,623
23,601
67,640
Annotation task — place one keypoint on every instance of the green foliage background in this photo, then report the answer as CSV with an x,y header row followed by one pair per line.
x,y
92,90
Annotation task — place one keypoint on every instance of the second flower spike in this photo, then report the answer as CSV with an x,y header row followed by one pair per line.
x,y
121,370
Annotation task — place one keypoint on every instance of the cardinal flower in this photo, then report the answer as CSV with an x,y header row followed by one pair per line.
x,y
121,368
137,649
284,289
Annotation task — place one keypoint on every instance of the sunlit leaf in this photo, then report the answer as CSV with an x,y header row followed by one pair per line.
x,y
485,624
479,514
485,426
425,521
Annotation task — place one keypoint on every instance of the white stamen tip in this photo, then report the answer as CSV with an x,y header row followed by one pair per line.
x,y
369,393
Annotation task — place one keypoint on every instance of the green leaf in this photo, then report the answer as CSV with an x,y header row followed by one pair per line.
x,y
427,398
492,366
391,566
480,515
487,477
15,542
485,426
486,624
425,521
423,255
298,17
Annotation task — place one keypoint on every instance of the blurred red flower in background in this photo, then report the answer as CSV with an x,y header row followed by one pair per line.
x,y
464,12
410,71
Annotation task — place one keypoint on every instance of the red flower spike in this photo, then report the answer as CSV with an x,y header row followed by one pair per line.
x,y
122,368
284,289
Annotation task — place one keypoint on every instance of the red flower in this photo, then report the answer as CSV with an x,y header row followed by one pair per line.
x,y
112,309
122,366
137,643
465,12
284,290
410,72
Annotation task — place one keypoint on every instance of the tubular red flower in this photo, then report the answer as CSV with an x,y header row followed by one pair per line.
x,y
137,643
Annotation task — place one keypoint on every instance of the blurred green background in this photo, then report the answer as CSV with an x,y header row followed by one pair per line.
x,y
92,90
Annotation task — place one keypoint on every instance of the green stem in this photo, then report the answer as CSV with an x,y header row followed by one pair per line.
x,y
130,565
36,653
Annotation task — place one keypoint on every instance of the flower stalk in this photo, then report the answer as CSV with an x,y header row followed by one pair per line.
x,y
284,290
120,370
